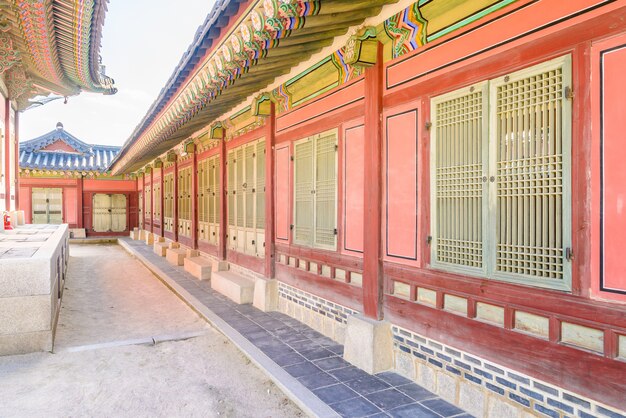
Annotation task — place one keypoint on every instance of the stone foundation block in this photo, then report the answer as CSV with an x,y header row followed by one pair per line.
x,y
160,248
158,238
193,253
235,287
220,265
17,217
198,267
369,344
149,238
176,256
78,233
472,399
142,234
134,235
266,294
174,245
24,343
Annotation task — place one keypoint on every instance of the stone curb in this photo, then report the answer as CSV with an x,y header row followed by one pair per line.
x,y
296,391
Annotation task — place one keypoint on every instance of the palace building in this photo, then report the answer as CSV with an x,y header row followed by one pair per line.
x,y
444,176
65,180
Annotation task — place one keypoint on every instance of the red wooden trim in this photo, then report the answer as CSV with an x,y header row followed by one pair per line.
x,y
540,301
372,255
186,241
205,247
249,262
342,195
257,133
322,123
169,235
208,153
194,201
270,139
324,287
536,357
223,201
331,258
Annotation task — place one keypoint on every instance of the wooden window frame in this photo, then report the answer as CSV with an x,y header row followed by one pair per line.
x,y
489,199
314,138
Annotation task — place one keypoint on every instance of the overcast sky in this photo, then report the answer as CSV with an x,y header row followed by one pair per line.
x,y
143,40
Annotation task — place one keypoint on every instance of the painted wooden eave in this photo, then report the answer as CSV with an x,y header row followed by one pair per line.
x,y
265,42
55,45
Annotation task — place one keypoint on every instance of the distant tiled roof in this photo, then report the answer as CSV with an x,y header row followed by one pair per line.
x,y
86,157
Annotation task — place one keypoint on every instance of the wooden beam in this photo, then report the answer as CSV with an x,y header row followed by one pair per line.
x,y
372,246
270,140
221,250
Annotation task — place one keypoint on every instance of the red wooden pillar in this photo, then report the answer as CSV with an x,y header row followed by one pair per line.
x,y
162,198
151,200
224,199
372,251
80,204
194,200
8,176
143,199
17,160
175,199
270,140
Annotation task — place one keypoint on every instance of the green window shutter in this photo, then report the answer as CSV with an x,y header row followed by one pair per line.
x,y
248,185
216,189
231,188
326,190
260,185
240,195
208,190
304,189
457,158
530,137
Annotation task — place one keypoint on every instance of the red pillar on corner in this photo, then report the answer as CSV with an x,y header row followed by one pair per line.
x,y
162,198
16,128
8,176
372,251
194,200
151,208
270,140
223,200
175,228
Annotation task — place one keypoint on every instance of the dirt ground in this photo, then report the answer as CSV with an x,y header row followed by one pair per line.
x,y
96,371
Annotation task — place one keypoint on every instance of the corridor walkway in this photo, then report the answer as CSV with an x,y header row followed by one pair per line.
x,y
303,361
127,346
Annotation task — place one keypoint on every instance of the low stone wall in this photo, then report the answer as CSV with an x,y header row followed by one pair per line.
x,y
33,264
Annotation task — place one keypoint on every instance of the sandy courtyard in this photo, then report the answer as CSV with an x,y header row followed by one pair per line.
x,y
110,302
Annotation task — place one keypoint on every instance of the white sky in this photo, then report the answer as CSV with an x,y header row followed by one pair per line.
x,y
142,42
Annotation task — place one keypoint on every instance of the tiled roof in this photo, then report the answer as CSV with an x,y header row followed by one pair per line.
x,y
86,157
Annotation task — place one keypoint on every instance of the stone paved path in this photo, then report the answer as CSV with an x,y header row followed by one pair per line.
x,y
313,359
107,363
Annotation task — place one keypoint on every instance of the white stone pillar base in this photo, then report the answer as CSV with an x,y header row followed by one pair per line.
x,y
369,344
265,294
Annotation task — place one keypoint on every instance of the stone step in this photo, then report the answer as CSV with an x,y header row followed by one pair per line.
x,y
160,248
199,267
235,287
149,238
176,256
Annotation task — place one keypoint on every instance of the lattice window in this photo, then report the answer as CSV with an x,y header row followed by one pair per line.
x,y
458,157
156,203
315,208
168,197
500,163
530,136
184,194
148,200
246,202
208,199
